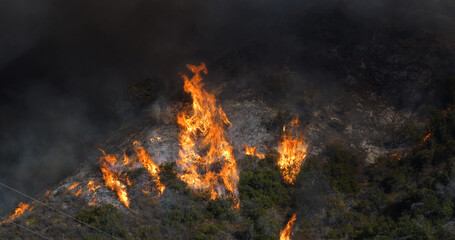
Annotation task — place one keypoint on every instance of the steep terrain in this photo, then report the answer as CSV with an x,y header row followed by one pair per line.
x,y
369,106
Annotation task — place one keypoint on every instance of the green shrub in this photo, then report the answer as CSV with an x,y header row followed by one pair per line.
x,y
343,169
221,208
134,173
183,214
105,217
168,176
205,231
264,187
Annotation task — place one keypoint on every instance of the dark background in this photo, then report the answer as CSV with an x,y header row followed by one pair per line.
x,y
65,67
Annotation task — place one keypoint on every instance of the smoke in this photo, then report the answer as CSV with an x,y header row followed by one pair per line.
x,y
66,65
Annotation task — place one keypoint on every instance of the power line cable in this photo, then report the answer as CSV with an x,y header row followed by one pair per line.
x,y
26,228
65,214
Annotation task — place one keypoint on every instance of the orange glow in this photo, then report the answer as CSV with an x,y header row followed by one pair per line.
x,y
78,192
91,186
21,208
206,157
126,159
292,149
73,186
150,165
285,234
252,151
111,179
396,156
92,203
427,136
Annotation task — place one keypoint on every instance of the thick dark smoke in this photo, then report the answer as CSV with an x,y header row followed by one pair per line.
x,y
66,65
65,69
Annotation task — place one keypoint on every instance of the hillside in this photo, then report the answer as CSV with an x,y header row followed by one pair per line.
x,y
338,124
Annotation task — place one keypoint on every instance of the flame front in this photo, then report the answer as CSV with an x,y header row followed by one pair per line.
x,y
285,234
149,164
206,156
252,151
21,208
111,178
292,149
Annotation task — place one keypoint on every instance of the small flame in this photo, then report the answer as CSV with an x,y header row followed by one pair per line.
x,y
252,151
126,159
427,137
78,192
396,156
285,234
21,208
73,186
149,164
91,186
292,149
206,157
159,139
111,179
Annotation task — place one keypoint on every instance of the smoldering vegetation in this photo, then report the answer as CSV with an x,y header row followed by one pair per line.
x,y
66,66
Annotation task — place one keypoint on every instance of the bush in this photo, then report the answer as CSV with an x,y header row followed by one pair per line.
x,y
188,215
134,173
343,169
220,208
205,231
264,187
105,217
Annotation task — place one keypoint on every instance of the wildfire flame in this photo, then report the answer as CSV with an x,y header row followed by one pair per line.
x,y
252,151
73,186
285,234
21,208
206,157
292,149
111,178
149,164
427,137
91,187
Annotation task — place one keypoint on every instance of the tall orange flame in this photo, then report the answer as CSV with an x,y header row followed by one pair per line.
x,y
292,150
206,156
21,208
149,164
111,178
285,234
252,151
